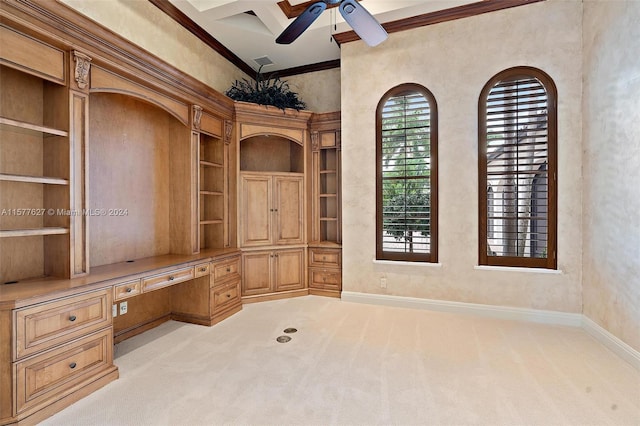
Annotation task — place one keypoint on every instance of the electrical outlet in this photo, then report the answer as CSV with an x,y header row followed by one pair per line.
x,y
114,310
383,282
123,308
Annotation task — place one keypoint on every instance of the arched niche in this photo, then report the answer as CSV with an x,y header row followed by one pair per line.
x,y
271,153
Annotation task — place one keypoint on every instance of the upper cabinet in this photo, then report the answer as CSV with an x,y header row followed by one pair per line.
x,y
42,143
106,154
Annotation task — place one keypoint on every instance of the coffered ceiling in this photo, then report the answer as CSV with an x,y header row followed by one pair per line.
x,y
244,31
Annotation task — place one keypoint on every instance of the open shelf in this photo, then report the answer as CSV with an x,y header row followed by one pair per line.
x,y
210,164
9,124
33,179
211,190
8,233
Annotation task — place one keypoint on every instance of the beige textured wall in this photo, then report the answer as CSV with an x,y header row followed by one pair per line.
x,y
320,90
454,60
148,27
611,282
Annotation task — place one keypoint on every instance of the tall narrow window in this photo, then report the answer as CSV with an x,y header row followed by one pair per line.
x,y
517,161
407,175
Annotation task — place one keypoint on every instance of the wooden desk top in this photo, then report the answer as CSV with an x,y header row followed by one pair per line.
x,y
32,291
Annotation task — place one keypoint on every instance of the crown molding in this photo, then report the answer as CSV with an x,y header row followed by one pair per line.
x,y
453,13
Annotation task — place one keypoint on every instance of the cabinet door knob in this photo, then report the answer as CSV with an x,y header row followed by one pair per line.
x,y
72,318
72,365
228,269
228,295
203,269
129,289
171,278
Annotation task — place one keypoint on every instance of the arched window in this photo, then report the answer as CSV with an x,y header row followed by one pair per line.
x,y
517,145
407,175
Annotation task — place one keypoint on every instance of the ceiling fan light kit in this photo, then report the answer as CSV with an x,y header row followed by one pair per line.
x,y
359,18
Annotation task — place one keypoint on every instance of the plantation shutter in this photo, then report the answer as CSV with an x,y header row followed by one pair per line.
x,y
519,200
405,173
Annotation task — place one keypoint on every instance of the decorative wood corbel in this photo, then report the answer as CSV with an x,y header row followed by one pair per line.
x,y
196,111
315,141
83,65
228,130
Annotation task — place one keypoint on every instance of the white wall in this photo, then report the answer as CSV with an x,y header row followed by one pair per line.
x,y
150,28
454,60
320,90
611,277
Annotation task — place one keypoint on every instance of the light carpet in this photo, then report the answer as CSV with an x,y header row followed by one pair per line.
x,y
362,364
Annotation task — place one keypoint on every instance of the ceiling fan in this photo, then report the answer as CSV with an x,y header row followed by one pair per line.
x,y
362,22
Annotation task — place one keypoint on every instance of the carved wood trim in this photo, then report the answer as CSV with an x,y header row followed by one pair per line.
x,y
196,116
228,131
81,70
315,141
63,27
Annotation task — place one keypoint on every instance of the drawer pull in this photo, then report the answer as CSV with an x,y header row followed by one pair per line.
x,y
72,318
228,269
171,278
324,258
228,295
203,269
72,365
129,289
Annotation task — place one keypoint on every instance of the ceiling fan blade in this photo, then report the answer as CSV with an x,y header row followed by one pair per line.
x,y
301,23
362,22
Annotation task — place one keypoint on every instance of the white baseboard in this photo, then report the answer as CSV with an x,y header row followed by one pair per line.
x,y
614,344
492,311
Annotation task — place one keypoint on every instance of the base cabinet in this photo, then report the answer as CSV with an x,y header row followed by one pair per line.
x,y
212,296
273,271
61,351
325,271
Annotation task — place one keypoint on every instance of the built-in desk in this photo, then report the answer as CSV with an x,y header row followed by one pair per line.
x,y
57,335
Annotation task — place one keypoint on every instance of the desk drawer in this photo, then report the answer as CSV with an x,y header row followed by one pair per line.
x,y
55,373
224,296
226,270
167,279
203,269
43,326
325,279
325,257
125,290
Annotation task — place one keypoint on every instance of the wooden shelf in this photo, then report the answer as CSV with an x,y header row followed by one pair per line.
x,y
328,219
33,179
210,164
32,232
327,172
328,195
210,222
9,124
218,193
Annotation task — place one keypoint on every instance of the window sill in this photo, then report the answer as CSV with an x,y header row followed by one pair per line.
x,y
518,269
404,263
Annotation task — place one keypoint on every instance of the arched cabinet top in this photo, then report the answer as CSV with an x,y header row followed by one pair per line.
x,y
107,82
261,120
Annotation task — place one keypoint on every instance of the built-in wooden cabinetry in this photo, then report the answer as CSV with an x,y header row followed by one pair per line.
x,y
272,220
325,244
117,186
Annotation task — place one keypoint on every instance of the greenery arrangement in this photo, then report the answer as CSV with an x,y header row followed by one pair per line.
x,y
265,90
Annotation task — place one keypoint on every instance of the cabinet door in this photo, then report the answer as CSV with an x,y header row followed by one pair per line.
x,y
289,209
289,269
256,273
256,211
